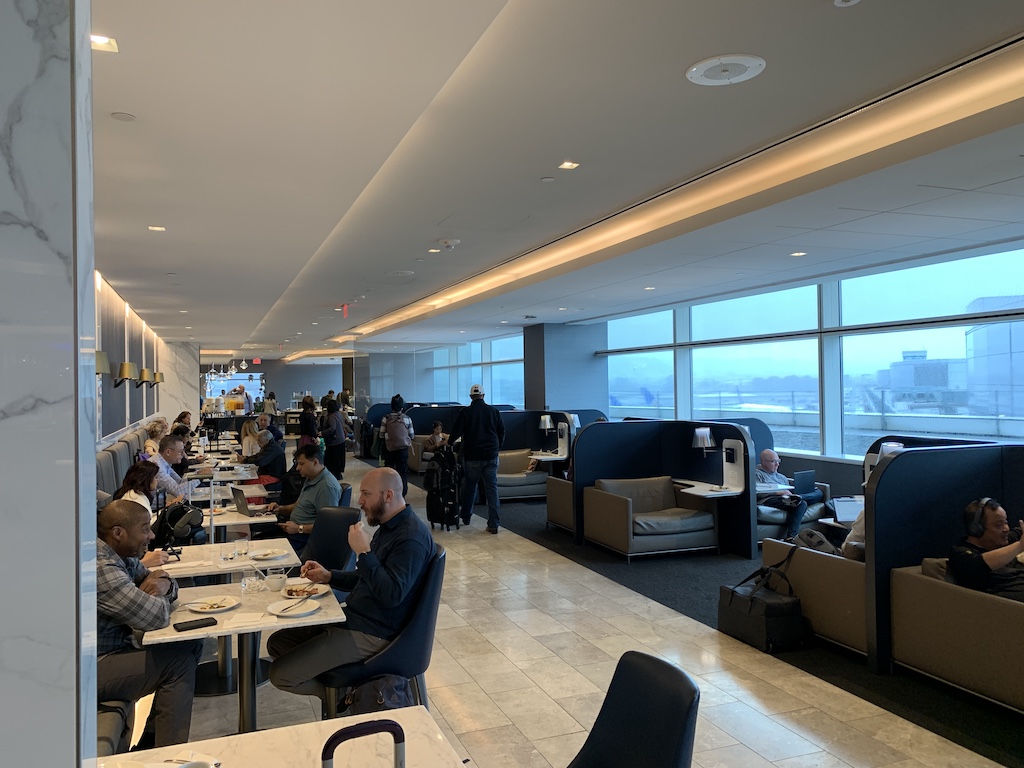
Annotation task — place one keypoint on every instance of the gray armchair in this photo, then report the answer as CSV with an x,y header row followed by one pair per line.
x,y
645,516
771,522
560,503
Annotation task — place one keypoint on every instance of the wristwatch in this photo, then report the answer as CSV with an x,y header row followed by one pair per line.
x,y
302,529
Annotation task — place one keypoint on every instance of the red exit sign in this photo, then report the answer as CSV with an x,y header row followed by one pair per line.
x,y
257,360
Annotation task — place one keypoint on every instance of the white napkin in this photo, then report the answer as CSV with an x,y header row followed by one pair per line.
x,y
248,619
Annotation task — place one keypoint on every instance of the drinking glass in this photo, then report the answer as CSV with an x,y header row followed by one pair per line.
x,y
241,547
251,581
227,551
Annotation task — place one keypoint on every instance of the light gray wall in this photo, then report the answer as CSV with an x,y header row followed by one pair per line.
x,y
47,385
560,369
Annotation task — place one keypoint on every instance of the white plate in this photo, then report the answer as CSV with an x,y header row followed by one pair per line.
x,y
306,608
268,554
321,590
226,603
293,580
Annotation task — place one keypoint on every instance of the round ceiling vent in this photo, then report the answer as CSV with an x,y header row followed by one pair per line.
x,y
726,70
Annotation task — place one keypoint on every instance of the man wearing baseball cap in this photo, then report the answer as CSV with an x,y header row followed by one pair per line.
x,y
482,432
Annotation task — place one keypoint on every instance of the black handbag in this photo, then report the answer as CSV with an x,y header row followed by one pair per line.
x,y
758,615
379,694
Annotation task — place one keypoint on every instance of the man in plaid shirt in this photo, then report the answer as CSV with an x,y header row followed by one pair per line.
x,y
131,599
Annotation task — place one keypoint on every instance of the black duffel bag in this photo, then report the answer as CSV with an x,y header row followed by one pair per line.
x,y
758,615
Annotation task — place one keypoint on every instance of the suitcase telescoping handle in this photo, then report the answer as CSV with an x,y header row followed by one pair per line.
x,y
365,729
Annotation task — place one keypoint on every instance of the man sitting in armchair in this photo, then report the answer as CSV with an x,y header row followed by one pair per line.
x,y
795,506
986,559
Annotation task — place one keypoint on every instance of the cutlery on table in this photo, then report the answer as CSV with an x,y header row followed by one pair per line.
x,y
295,604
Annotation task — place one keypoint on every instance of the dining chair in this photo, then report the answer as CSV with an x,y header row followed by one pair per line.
x,y
328,541
407,656
648,717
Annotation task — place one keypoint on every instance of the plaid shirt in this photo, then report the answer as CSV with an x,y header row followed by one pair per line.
x,y
121,606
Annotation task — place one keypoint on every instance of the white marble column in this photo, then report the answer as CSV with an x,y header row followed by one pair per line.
x,y
47,385
178,361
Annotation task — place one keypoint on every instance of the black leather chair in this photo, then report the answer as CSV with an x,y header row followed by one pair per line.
x,y
346,495
648,717
407,656
328,541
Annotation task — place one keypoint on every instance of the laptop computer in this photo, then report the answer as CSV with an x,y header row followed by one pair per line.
x,y
803,482
244,507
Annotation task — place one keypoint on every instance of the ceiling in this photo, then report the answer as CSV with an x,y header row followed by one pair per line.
x,y
307,155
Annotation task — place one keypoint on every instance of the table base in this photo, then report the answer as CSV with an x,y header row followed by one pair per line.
x,y
209,681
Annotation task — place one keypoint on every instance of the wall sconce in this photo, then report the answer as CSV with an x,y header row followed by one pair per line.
x,y
702,439
546,424
158,378
126,372
102,363
145,377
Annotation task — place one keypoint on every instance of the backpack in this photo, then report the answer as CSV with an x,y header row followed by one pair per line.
x,y
816,540
378,695
178,523
396,433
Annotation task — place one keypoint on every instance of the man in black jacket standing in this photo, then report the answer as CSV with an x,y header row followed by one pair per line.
x,y
482,432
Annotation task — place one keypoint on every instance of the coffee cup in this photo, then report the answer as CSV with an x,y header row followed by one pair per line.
x,y
276,581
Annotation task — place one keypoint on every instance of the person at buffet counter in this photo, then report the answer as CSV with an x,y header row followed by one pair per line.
x,y
131,599
240,390
309,428
382,590
264,421
269,461
172,451
987,558
270,405
793,505
319,489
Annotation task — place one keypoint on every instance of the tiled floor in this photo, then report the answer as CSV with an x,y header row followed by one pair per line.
x,y
527,642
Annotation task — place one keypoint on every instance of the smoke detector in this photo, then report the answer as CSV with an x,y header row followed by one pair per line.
x,y
728,69
448,245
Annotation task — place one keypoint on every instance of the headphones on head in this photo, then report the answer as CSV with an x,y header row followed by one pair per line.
x,y
976,527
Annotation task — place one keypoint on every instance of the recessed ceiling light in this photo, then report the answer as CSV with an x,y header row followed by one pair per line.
x,y
728,69
157,229
547,179
649,288
188,327
103,43
562,309
403,273
338,309
461,331
569,165
124,117
314,323
434,250
298,333
504,322
844,3
798,253
420,259
183,311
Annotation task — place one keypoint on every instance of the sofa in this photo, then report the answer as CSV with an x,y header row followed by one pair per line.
x,y
559,506
831,591
645,516
417,460
962,636
516,480
771,522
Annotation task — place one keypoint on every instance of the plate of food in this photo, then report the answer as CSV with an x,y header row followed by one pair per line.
x,y
292,609
305,589
215,604
269,554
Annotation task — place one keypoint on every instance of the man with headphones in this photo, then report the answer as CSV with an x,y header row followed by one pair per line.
x,y
987,558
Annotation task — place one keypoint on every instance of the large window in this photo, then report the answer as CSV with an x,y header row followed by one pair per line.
x,y
794,309
982,284
497,365
641,384
643,330
776,382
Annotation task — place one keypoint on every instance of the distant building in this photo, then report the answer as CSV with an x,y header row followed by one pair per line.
x,y
995,361
917,383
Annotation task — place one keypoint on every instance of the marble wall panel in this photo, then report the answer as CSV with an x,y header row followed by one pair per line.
x,y
47,384
179,363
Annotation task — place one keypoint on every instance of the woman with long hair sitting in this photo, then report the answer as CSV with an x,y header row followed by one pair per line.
x,y
138,486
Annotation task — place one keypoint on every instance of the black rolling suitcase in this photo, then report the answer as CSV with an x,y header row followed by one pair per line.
x,y
443,482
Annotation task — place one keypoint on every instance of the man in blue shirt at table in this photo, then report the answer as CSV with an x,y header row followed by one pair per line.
x,y
382,590
131,599
319,490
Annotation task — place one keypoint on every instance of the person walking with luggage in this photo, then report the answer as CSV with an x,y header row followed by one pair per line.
x,y
396,432
482,431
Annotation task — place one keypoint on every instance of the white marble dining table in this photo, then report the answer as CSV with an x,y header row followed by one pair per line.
x,y
246,620
300,746
205,559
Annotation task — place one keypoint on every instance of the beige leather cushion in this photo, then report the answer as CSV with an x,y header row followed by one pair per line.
x,y
669,521
935,567
513,462
649,494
